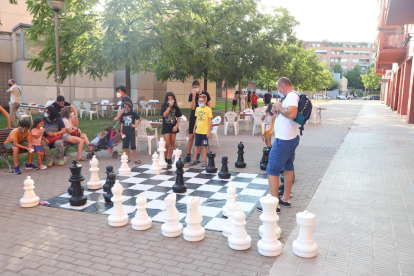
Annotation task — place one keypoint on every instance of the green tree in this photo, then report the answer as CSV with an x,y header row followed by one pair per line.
x,y
337,68
354,77
370,80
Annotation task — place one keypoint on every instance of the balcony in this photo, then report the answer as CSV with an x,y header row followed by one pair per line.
x,y
382,19
399,12
390,48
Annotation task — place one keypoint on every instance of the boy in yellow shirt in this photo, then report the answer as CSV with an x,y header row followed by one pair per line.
x,y
202,129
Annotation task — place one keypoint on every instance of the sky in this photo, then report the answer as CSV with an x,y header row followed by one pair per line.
x,y
334,20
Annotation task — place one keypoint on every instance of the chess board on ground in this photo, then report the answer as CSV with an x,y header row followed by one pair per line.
x,y
209,187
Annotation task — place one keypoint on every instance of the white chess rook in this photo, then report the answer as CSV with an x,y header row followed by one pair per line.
x,y
177,155
228,226
304,246
231,194
155,167
141,221
269,245
239,239
161,150
29,198
94,182
171,227
124,169
193,231
118,217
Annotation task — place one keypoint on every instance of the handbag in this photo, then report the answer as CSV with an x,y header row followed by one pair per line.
x,y
76,133
52,139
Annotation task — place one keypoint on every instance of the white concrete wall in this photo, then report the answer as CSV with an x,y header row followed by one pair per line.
x,y
11,15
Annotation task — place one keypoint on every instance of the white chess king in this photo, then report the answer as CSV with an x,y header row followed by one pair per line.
x,y
124,169
94,182
304,246
29,198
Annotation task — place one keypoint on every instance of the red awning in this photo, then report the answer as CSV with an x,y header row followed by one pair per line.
x,y
400,12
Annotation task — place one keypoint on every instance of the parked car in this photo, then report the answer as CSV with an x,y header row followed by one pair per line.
x,y
320,97
368,97
277,95
375,97
259,94
342,97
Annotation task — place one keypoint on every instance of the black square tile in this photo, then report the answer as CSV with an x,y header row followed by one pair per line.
x,y
95,196
152,182
98,207
168,173
193,186
57,201
195,170
160,189
242,179
127,185
131,192
144,175
234,173
224,190
262,176
202,193
206,176
257,187
219,203
138,169
217,182
178,197
181,207
247,198
130,202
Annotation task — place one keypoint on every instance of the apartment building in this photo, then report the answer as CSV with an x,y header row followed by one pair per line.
x,y
348,54
394,56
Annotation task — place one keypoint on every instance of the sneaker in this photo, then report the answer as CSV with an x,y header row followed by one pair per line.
x,y
61,162
31,167
17,170
194,163
284,203
198,159
43,167
187,159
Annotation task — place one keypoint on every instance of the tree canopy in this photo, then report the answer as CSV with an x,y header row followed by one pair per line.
x,y
370,80
354,77
337,68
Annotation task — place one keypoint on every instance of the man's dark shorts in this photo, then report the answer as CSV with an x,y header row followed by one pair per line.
x,y
282,156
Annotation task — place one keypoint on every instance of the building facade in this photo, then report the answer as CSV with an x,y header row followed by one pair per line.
x,y
394,56
347,54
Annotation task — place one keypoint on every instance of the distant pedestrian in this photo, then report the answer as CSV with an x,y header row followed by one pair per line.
x,y
267,98
121,93
249,99
242,101
235,100
254,100
268,119
171,114
15,100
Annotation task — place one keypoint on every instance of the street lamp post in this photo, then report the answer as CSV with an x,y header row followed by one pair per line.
x,y
57,6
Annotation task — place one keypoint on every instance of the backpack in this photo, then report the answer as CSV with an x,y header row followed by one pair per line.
x,y
304,111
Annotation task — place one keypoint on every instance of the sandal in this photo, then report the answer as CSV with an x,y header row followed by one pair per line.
x,y
61,162
192,163
50,164
82,159
138,162
204,164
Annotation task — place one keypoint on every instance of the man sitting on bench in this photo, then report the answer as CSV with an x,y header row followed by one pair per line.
x,y
15,142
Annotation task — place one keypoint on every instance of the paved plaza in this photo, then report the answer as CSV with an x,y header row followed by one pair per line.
x,y
354,172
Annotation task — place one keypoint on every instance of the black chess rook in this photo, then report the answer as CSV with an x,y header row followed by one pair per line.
x,y
109,169
224,172
111,181
211,167
76,177
240,158
179,187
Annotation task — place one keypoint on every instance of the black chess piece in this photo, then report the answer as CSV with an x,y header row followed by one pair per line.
x,y
211,167
265,158
240,159
179,186
111,181
109,169
77,198
224,172
70,189
282,177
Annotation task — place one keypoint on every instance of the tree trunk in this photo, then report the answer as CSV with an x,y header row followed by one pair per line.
x,y
205,78
227,86
128,79
240,90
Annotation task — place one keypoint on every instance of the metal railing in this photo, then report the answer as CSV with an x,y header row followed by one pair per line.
x,y
394,41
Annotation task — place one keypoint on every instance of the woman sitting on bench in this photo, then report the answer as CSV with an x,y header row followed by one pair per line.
x,y
54,129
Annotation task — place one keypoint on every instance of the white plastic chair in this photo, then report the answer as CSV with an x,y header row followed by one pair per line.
x,y
216,120
77,104
89,111
104,108
25,113
145,107
46,105
247,119
143,136
257,121
183,119
231,119
182,136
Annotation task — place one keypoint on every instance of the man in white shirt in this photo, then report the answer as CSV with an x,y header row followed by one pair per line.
x,y
15,100
282,154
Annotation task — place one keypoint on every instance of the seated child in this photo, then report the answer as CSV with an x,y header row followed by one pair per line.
x,y
99,136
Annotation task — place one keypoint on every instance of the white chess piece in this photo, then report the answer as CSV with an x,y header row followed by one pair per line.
x,y
124,169
193,231
239,239
177,155
161,150
29,198
278,231
304,246
231,194
269,245
118,217
155,167
94,182
228,226
171,227
141,221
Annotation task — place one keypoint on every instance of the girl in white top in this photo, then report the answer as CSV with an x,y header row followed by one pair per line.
x,y
242,101
268,118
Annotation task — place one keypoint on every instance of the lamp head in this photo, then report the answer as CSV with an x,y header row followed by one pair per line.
x,y
56,5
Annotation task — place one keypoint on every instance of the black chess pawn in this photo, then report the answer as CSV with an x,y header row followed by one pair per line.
x,y
179,186
224,172
240,159
111,181
77,198
265,158
109,169
211,167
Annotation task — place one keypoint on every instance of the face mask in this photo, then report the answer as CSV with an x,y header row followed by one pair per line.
x,y
72,114
10,85
118,95
200,104
22,130
127,110
46,115
197,90
170,102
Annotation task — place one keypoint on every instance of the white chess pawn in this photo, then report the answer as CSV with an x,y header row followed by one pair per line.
x,y
231,194
304,246
141,221
161,150
124,169
193,231
94,182
118,217
155,167
177,155
172,227
269,245
228,226
239,239
29,198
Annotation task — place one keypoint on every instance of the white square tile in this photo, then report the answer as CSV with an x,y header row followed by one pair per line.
x,y
184,199
218,178
133,180
190,174
198,180
156,204
66,195
215,224
204,172
160,216
246,206
149,171
127,209
253,192
134,173
146,166
162,177
167,184
67,205
141,187
152,195
219,196
238,184
209,211
260,181
210,188
247,175
100,191
189,191
125,198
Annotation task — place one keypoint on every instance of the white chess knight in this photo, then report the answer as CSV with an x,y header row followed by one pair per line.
x,y
304,246
269,245
171,227
141,221
231,194
118,217
155,167
94,182
124,169
228,226
239,239
177,155
161,150
29,198
193,231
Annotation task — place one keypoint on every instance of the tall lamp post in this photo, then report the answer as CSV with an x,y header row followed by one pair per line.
x,y
57,6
